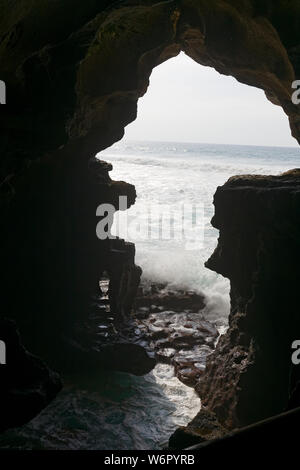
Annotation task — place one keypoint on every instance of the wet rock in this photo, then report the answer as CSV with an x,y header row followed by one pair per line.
x,y
204,427
250,375
188,375
187,369
165,355
109,351
160,297
179,337
130,358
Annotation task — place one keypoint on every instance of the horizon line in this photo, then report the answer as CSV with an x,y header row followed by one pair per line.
x,y
208,143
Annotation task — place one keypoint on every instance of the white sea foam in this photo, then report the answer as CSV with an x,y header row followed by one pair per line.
x,y
173,173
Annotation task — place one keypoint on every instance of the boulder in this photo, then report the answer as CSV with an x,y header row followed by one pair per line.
x,y
27,385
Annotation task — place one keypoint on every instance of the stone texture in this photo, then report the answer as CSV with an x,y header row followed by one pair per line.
x,y
203,428
250,375
27,385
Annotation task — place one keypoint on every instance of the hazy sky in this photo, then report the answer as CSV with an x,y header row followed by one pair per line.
x,y
187,102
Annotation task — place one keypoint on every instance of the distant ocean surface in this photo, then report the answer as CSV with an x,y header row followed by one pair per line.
x,y
171,173
120,411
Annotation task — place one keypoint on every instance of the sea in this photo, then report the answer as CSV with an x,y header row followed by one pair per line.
x,y
171,175
118,411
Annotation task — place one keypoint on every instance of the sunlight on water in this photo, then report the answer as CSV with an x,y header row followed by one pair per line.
x,y
126,412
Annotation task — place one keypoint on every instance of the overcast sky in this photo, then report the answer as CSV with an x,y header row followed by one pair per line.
x,y
187,102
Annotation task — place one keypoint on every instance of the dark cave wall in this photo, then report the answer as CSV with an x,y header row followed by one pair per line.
x,y
74,72
250,376
80,75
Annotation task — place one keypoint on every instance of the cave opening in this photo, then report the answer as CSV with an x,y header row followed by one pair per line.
x,y
160,155
181,306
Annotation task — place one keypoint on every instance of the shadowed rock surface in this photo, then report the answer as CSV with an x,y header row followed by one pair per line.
x,y
27,384
250,376
203,428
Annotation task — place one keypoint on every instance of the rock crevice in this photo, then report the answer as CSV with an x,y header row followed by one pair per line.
x,y
250,376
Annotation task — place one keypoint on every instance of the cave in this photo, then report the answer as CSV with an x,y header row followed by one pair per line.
x,y
72,85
